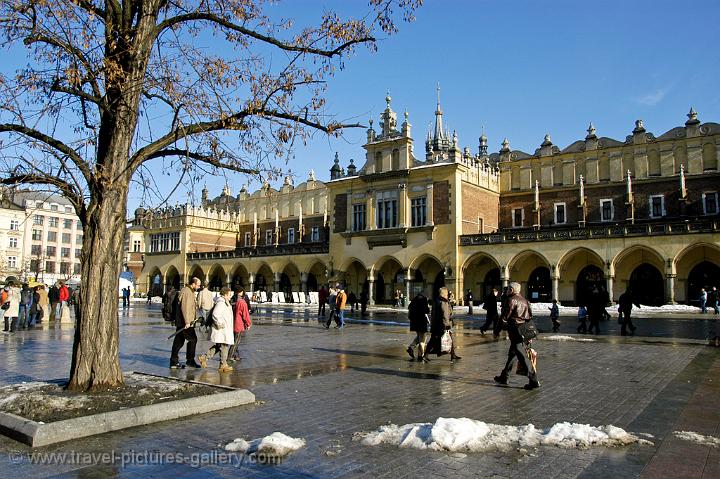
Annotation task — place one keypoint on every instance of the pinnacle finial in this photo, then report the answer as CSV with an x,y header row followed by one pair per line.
x,y
388,99
692,117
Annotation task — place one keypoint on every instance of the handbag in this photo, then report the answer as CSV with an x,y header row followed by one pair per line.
x,y
528,330
446,342
5,305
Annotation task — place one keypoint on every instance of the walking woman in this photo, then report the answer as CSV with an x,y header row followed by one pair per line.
x,y
441,322
221,332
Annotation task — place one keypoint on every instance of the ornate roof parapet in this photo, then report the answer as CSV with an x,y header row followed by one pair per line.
x,y
546,147
352,169
591,139
388,124
692,125
406,126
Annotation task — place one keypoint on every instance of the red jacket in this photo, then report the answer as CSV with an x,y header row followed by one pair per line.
x,y
242,316
64,293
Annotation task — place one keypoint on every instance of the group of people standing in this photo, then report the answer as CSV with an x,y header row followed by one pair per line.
x,y
335,299
225,316
23,307
710,299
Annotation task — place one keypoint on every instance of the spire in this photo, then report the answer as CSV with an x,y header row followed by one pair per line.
x,y
692,118
439,133
591,132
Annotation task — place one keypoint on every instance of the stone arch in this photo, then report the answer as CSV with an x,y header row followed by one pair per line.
x,y
481,272
196,271
355,277
239,278
172,278
524,268
317,276
216,277
696,266
385,272
627,275
581,270
428,275
290,280
264,279
155,282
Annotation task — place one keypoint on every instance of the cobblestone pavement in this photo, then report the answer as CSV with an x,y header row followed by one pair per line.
x,y
325,385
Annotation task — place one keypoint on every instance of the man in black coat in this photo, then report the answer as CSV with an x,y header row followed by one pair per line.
x,y
54,298
493,318
469,301
625,304
419,316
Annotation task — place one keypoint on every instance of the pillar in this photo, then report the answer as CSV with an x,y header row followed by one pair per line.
x,y
670,290
408,278
228,280
609,281
556,288
370,211
371,291
251,282
504,276
429,200
276,278
403,216
303,282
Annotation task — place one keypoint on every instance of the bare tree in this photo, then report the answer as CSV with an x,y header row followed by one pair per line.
x,y
113,84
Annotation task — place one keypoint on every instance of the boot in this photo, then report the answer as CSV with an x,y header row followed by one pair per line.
x,y
532,385
501,379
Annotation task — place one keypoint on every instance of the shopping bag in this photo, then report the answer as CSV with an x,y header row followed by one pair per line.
x,y
532,356
446,342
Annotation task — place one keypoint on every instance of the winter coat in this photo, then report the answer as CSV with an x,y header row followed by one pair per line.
x,y
14,298
516,311
54,294
187,310
242,317
221,331
418,311
64,293
340,300
36,299
44,300
205,299
490,305
441,317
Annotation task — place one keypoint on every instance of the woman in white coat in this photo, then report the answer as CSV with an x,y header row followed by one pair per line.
x,y
221,332
12,313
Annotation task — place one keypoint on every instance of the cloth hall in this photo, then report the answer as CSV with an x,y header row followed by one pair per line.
x,y
599,214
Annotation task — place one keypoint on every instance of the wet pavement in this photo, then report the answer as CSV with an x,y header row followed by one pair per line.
x,y
325,385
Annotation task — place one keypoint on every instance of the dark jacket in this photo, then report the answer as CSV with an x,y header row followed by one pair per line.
x,y
54,294
441,317
490,305
516,311
417,313
626,301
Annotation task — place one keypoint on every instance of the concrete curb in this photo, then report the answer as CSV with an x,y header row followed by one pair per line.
x,y
37,434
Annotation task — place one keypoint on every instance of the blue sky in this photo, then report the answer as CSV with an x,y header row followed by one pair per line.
x,y
523,69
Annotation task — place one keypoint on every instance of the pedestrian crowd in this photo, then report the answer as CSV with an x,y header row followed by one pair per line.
x,y
25,307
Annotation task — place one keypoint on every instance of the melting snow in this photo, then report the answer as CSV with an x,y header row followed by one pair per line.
x,y
697,438
276,444
565,338
463,434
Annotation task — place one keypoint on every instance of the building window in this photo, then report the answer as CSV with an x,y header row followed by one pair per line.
x,y
247,238
35,265
79,239
67,223
37,235
78,253
12,262
710,203
162,242
49,266
50,251
52,236
136,246
66,237
387,209
69,209
268,237
53,222
36,250
14,225
657,206
314,234
64,268
560,218
518,216
78,224
13,242
53,207
418,211
64,252
358,217
607,211
38,219
76,268
291,235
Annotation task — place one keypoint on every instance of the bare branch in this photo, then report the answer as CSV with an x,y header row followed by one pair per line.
x,y
210,160
77,160
67,189
89,6
210,17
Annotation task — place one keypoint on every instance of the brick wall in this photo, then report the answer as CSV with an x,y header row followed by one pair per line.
x,y
308,223
203,242
642,190
478,203
441,202
340,213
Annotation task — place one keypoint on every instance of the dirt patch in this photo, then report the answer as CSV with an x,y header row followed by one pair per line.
x,y
50,402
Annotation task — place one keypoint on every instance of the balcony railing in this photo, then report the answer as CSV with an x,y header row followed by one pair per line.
x,y
264,250
593,231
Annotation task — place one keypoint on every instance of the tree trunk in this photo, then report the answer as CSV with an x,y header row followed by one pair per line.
x,y
95,358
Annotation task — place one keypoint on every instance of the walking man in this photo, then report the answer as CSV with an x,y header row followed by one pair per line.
x,y
715,301
205,301
625,302
703,300
490,306
185,325
54,298
26,299
419,316
340,301
515,313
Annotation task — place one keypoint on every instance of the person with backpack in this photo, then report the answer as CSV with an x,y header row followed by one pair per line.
x,y
221,326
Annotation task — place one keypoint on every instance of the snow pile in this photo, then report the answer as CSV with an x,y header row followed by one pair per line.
x,y
276,444
463,434
697,438
558,337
